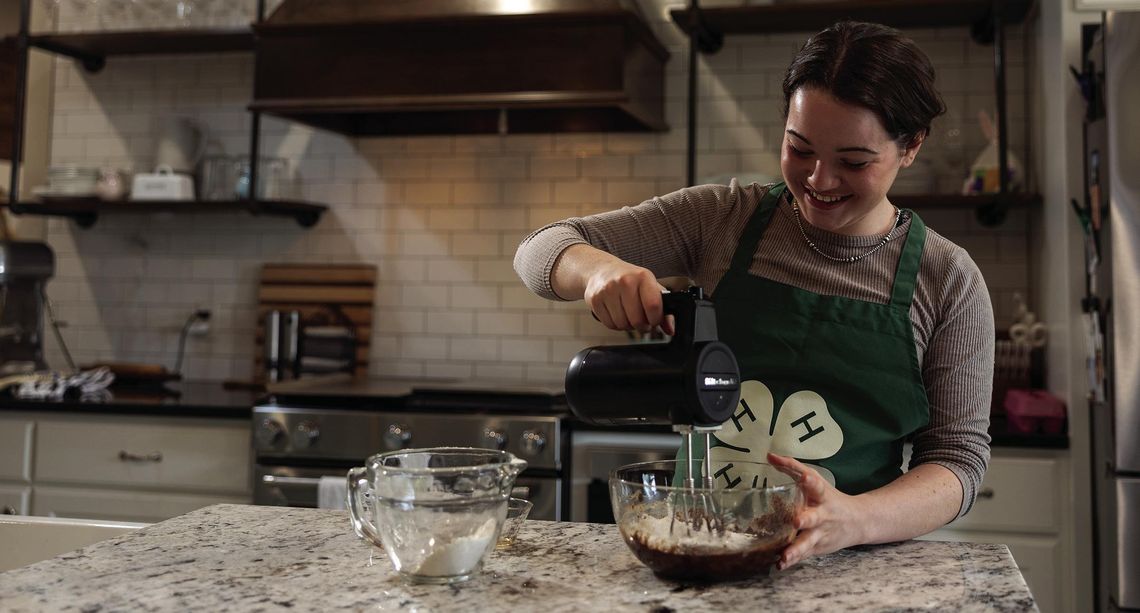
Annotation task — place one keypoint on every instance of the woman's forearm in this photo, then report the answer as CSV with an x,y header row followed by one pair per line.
x,y
922,500
571,270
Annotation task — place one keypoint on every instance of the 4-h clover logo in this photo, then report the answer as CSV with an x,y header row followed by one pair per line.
x,y
803,429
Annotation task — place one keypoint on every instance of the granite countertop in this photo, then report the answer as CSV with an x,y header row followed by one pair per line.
x,y
248,558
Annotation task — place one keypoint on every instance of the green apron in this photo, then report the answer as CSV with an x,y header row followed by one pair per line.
x,y
831,381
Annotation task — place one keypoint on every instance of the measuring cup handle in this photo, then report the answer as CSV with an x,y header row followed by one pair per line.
x,y
358,487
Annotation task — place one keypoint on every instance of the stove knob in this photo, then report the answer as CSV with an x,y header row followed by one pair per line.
x,y
496,437
533,442
306,434
398,436
270,432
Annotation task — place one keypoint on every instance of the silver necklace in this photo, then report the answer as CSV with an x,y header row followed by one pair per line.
x,y
855,258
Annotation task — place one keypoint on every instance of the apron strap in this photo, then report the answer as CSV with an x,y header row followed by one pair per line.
x,y
906,275
750,238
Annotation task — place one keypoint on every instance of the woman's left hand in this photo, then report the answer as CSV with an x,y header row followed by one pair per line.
x,y
830,519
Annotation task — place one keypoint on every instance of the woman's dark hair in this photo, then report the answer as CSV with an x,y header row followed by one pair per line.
x,y
872,66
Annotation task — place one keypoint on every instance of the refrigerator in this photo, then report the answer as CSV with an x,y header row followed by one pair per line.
x,y
1112,305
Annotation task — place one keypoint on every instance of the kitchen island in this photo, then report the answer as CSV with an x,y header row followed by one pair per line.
x,y
247,558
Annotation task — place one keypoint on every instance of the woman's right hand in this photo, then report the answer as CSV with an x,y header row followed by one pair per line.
x,y
626,297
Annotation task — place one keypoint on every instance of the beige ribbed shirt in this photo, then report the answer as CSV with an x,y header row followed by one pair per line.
x,y
693,233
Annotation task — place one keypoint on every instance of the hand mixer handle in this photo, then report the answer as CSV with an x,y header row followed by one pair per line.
x,y
694,317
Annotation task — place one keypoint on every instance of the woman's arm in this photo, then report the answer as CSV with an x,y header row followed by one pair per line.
x,y
920,501
613,259
621,295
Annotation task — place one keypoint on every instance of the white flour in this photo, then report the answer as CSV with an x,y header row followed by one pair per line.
x,y
655,533
450,557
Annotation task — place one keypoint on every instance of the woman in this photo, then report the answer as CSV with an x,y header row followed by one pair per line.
x,y
856,327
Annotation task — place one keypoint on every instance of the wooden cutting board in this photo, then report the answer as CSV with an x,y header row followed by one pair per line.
x,y
321,293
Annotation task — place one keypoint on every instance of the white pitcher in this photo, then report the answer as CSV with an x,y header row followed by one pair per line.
x,y
180,144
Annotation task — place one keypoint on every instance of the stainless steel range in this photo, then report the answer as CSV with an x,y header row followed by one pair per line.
x,y
308,433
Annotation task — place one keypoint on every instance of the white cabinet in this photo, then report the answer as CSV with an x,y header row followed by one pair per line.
x,y
1019,505
121,467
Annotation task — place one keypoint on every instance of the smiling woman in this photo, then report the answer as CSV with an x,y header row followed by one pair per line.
x,y
856,328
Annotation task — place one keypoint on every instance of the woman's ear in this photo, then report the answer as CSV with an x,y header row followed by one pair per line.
x,y
911,150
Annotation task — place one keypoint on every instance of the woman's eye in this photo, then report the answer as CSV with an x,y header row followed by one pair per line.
x,y
798,152
856,165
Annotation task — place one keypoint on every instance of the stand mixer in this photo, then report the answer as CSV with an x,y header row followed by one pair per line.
x,y
691,382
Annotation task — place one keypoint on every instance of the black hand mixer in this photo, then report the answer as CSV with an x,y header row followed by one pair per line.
x,y
691,382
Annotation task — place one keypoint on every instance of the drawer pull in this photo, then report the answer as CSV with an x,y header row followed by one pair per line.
x,y
8,510
127,456
986,492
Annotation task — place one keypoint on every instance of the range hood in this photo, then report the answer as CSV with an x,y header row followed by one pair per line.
x,y
401,67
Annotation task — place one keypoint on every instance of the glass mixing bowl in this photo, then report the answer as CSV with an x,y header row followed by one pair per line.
x,y
733,531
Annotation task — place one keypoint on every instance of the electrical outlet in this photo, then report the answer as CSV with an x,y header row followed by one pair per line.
x,y
200,325
199,328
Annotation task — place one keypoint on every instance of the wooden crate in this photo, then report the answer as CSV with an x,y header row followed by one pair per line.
x,y
322,294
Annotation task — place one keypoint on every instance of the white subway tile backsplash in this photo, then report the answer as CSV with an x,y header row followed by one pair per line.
x,y
500,324
500,372
496,271
525,350
419,347
476,193
556,167
450,322
475,349
424,295
579,192
421,194
502,167
471,296
553,325
450,270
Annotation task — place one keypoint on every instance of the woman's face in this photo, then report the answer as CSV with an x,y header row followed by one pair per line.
x,y
839,162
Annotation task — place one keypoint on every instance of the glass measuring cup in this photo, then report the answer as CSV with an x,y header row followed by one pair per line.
x,y
436,512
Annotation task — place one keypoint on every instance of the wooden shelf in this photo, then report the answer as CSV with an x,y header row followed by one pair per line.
x,y
86,211
92,48
812,16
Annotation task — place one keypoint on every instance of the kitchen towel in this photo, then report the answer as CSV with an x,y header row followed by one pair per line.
x,y
332,492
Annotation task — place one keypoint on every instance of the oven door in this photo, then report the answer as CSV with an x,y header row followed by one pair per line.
x,y
594,454
291,486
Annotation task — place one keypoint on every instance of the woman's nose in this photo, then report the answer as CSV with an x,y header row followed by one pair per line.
x,y
822,178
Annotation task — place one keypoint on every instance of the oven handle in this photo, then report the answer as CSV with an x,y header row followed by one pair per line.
x,y
290,480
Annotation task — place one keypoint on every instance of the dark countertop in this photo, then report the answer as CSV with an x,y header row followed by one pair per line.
x,y
180,399
212,399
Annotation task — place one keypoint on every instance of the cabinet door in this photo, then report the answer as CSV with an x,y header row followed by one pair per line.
x,y
16,449
14,499
121,505
1017,495
210,456
1037,557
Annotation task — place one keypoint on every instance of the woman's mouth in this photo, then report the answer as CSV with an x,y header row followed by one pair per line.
x,y
824,201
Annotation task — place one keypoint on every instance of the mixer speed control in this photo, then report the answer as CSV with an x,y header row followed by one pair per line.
x,y
533,442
